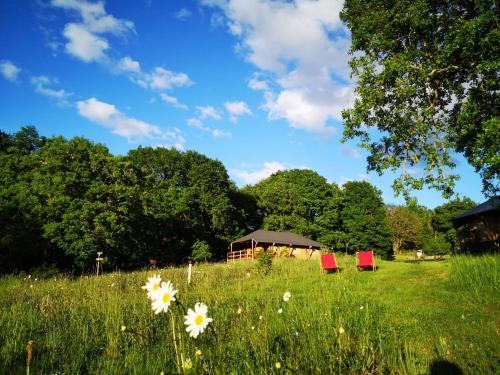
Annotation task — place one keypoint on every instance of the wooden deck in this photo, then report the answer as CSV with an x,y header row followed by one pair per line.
x,y
233,256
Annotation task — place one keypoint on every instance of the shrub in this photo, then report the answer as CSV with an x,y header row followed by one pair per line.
x,y
264,262
201,251
436,246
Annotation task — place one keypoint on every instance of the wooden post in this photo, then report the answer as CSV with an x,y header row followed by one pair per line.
x,y
190,270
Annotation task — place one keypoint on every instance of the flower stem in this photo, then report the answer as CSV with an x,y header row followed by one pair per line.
x,y
175,344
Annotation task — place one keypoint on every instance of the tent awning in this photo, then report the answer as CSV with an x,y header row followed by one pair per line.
x,y
279,238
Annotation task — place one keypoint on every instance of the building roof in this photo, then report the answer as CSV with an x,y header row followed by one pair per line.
x,y
491,205
279,238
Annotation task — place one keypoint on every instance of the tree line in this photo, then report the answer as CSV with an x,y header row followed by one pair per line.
x,y
63,200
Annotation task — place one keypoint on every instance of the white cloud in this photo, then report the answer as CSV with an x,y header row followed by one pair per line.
x,y
110,117
237,109
304,46
158,79
83,44
162,78
94,17
85,40
127,64
350,152
9,71
256,84
41,85
173,101
196,123
207,112
251,178
183,14
217,133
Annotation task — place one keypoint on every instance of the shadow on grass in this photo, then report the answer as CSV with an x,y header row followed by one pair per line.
x,y
442,367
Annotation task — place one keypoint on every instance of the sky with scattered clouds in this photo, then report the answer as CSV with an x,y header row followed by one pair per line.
x,y
257,84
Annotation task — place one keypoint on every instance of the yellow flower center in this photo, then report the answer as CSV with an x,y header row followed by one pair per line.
x,y
198,320
155,286
166,297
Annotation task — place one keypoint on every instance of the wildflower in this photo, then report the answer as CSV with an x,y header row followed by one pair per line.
x,y
361,307
280,311
187,364
152,285
197,320
162,297
296,333
123,328
31,286
341,330
278,365
162,373
253,328
287,296
239,310
260,317
198,353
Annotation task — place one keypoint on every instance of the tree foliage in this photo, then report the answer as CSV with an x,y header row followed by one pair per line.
x,y
427,75
62,200
442,223
297,200
405,227
363,218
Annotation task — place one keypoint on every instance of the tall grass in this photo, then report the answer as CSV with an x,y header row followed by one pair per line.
x,y
479,275
396,320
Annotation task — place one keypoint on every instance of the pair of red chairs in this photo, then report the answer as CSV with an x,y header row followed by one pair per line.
x,y
364,259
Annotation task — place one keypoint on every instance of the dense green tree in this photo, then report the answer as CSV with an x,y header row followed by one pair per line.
x,y
427,80
186,197
364,221
297,200
442,223
22,245
405,227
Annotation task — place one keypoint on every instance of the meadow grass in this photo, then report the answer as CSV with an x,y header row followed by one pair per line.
x,y
400,319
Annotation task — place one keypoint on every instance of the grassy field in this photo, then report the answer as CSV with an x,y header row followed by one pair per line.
x,y
406,318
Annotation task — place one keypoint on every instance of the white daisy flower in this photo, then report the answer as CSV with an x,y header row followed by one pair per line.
x,y
152,285
287,296
280,311
197,320
162,297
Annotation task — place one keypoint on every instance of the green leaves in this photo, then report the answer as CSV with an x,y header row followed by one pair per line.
x,y
427,75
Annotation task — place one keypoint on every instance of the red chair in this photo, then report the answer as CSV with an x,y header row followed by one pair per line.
x,y
328,263
365,259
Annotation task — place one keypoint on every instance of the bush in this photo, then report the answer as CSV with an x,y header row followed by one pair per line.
x,y
201,251
436,246
264,263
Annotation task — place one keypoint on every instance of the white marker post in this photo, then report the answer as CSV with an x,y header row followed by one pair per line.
x,y
190,270
98,262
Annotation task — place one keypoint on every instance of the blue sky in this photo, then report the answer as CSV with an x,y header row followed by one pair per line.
x,y
256,84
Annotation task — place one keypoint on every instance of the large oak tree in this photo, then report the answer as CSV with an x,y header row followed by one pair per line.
x,y
427,77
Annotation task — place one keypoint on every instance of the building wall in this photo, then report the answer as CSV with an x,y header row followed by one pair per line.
x,y
481,233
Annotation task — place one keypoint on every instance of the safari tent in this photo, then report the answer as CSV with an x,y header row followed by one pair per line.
x,y
479,228
276,243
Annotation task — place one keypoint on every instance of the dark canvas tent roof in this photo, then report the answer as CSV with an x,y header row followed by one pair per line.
x,y
279,238
490,205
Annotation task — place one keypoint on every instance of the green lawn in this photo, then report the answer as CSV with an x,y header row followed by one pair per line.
x,y
404,318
